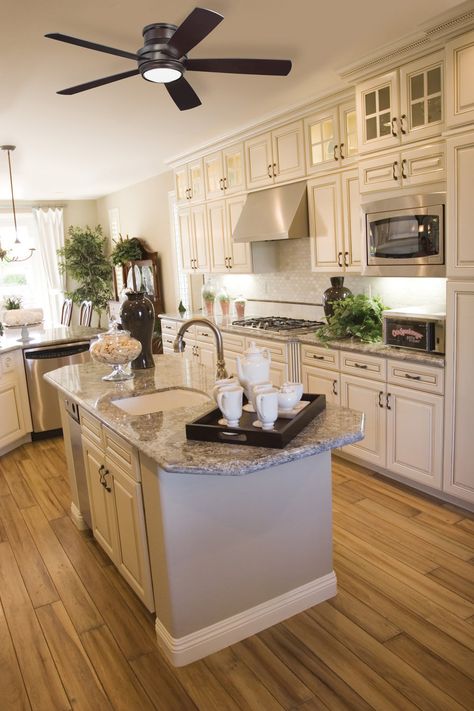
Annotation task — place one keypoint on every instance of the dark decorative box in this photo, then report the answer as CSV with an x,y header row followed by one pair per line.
x,y
207,428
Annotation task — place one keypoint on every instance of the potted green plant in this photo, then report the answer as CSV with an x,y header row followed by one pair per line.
x,y
126,250
83,258
208,293
12,303
357,316
224,301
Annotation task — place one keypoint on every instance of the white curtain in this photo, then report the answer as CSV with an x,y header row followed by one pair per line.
x,y
50,227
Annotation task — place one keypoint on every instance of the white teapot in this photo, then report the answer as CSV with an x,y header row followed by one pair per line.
x,y
254,365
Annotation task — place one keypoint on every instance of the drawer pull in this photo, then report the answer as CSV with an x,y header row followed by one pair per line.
x,y
412,377
380,398
361,365
334,390
316,357
389,395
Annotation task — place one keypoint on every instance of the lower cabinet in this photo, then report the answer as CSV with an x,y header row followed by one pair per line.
x,y
324,382
116,503
15,420
367,396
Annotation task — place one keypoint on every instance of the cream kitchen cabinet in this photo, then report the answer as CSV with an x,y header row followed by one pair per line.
x,y
279,358
116,504
335,222
460,81
15,420
275,157
320,372
401,106
224,172
406,169
460,207
169,330
331,138
234,346
227,256
459,439
193,239
189,182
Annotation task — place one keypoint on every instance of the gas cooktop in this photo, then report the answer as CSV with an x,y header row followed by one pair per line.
x,y
279,324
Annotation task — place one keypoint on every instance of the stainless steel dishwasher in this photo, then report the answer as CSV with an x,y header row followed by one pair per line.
x,y
43,397
79,472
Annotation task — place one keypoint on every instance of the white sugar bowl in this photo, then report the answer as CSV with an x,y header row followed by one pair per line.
x,y
288,396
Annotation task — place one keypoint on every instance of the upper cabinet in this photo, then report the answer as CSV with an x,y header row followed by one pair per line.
x,y
460,81
401,106
227,256
460,206
224,172
189,182
331,138
193,237
275,157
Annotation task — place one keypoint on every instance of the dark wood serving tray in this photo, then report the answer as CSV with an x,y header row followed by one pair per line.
x,y
207,428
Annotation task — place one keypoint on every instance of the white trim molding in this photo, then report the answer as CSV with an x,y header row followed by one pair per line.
x,y
187,649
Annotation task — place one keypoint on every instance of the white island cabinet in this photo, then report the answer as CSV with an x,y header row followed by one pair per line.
x,y
233,538
15,419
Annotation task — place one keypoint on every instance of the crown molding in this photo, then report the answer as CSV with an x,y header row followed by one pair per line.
x,y
429,37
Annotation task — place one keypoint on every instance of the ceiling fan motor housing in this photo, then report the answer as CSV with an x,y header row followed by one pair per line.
x,y
156,53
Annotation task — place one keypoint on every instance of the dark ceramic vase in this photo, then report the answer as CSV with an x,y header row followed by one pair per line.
x,y
138,316
336,292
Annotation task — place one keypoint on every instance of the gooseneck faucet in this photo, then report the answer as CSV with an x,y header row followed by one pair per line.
x,y
179,343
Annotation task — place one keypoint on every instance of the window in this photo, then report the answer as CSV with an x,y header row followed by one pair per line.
x,y
24,279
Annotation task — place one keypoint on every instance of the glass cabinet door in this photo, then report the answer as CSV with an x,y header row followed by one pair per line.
x,y
213,175
378,113
196,182
181,183
322,140
234,173
422,98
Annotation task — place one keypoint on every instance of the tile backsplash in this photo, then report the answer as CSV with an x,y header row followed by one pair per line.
x,y
294,282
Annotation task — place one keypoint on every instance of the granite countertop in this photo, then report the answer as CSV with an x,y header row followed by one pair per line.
x,y
349,344
40,336
162,436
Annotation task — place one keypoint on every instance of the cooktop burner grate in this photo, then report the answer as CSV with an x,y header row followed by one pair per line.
x,y
278,323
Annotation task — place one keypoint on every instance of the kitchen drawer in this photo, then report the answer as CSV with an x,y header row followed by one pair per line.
x,y
121,452
416,376
234,342
364,366
169,326
204,335
168,343
277,348
92,429
320,357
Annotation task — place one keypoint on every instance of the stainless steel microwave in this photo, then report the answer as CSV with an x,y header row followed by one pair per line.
x,y
404,236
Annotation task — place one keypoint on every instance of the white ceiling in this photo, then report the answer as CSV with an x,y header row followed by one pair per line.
x,y
96,142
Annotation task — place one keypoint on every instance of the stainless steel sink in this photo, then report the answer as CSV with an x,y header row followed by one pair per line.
x,y
169,399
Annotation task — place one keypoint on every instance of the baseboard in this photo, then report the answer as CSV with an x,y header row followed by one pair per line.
x,y
78,518
187,649
14,445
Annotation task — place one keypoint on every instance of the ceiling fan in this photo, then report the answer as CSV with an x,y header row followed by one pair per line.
x,y
163,57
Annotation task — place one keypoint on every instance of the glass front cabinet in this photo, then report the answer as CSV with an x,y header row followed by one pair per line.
x,y
331,138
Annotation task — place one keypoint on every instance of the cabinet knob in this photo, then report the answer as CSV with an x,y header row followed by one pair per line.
x,y
225,182
380,398
341,154
230,262
346,259
394,170
334,389
404,168
403,123
412,377
226,262
394,126
339,259
275,172
318,357
335,151
361,365
221,183
389,395
270,174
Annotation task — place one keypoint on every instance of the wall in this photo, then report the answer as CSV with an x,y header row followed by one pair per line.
x,y
80,213
144,213
295,282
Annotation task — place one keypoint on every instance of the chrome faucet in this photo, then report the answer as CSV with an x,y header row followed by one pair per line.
x,y
179,343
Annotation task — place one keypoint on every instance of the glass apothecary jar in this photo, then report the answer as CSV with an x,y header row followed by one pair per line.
x,y
224,301
239,305
208,293
115,348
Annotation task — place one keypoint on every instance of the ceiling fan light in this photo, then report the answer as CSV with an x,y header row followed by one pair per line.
x,y
162,75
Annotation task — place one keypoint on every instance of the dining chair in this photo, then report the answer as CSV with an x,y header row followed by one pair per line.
x,y
85,313
66,312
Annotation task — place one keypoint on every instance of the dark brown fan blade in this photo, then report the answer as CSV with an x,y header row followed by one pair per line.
x,y
183,94
91,45
193,29
98,82
275,67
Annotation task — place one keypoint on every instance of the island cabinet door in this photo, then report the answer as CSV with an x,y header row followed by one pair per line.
x,y
104,525
132,557
323,382
367,396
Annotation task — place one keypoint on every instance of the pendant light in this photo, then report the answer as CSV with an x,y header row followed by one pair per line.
x,y
5,255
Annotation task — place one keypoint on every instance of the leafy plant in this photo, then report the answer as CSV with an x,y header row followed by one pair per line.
x,y
12,303
126,250
356,316
83,258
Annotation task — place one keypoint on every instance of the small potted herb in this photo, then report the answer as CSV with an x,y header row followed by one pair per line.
x,y
224,301
208,293
357,316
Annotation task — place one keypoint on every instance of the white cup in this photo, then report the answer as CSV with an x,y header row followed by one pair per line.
x,y
231,382
257,388
294,386
229,401
266,404
289,396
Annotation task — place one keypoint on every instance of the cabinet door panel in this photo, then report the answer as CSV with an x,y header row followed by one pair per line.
x,y
200,241
258,161
240,253
234,169
348,147
325,224
424,165
460,207
422,97
181,183
322,137
11,421
216,219
382,173
104,525
322,381
278,373
196,180
352,221
368,397
460,80
185,239
377,106
132,555
213,175
415,435
288,152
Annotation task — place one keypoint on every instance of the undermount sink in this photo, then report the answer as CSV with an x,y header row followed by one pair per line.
x,y
170,399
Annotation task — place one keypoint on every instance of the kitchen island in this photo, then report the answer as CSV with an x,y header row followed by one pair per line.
x,y
237,537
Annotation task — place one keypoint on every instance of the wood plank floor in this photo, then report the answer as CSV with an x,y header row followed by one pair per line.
x,y
398,635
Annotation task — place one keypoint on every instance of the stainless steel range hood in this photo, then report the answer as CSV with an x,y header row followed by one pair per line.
x,y
277,213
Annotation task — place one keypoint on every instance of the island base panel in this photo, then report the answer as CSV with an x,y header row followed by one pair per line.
x,y
232,555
